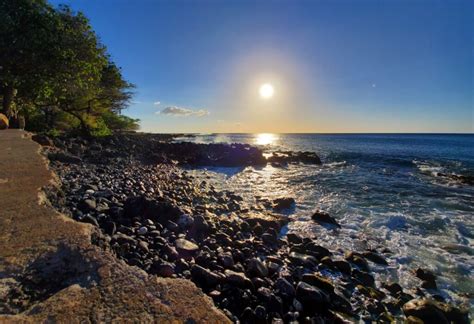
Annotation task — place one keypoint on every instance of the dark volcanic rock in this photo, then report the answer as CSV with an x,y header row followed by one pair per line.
x,y
324,218
205,277
311,296
257,268
283,203
425,310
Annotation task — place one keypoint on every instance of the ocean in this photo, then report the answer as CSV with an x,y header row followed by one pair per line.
x,y
399,192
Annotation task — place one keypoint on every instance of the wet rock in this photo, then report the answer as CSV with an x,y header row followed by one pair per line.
x,y
324,218
319,282
302,259
393,288
358,260
428,277
283,203
256,268
363,277
375,257
311,296
294,238
425,310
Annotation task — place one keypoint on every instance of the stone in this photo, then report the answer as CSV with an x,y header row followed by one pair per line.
x,y
43,140
89,219
364,278
319,282
256,268
285,287
186,249
4,123
358,260
205,277
375,257
162,269
64,158
87,205
226,260
237,279
283,203
324,218
294,238
311,296
425,310
142,230
393,288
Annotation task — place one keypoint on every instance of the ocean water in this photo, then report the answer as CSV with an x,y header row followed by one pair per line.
x,y
387,191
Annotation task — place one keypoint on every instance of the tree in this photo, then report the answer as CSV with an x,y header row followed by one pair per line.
x,y
65,70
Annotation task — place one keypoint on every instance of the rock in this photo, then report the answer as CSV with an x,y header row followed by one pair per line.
x,y
393,288
311,296
162,269
142,245
425,310
109,228
324,218
283,203
256,268
226,260
319,282
237,279
364,278
42,140
302,259
375,257
428,277
342,266
3,122
142,230
285,287
205,277
89,219
64,158
122,239
260,313
87,205
358,260
293,238
186,249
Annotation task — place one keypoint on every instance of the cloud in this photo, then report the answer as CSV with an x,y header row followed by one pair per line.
x,y
183,112
135,102
156,103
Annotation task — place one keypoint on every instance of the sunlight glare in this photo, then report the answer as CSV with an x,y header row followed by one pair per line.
x,y
265,139
266,91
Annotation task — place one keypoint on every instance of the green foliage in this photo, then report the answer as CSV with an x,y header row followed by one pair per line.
x,y
119,122
55,71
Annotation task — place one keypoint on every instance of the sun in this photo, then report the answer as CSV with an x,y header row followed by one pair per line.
x,y
266,91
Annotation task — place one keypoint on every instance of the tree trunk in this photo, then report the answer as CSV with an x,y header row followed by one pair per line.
x,y
8,95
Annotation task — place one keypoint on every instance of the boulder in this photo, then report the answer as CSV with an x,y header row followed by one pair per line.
x,y
425,310
311,296
205,277
64,158
325,219
257,268
283,203
186,249
3,122
43,140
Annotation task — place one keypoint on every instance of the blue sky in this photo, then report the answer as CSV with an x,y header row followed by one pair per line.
x,y
336,66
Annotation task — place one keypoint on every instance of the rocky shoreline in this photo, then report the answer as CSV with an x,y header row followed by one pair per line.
x,y
154,215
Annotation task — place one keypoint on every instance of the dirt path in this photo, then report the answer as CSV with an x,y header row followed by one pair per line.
x,y
50,271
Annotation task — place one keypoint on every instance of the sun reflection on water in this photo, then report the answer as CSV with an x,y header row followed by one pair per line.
x,y
265,139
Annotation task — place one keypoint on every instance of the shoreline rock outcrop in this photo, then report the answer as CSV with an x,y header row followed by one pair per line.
x,y
51,271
